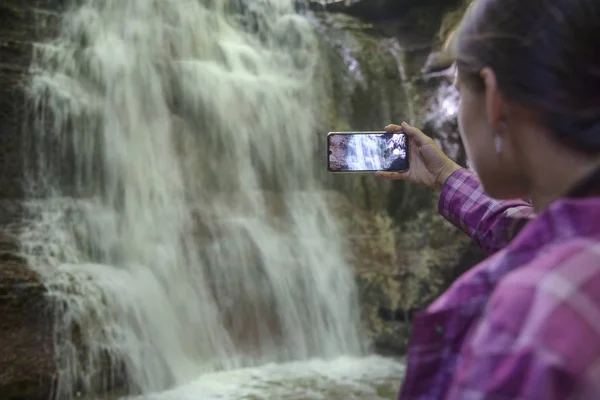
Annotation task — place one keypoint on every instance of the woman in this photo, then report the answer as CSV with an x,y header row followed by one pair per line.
x,y
525,323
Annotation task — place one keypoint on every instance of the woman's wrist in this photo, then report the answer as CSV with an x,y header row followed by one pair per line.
x,y
446,173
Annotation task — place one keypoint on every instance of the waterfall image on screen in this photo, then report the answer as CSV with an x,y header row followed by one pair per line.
x,y
367,152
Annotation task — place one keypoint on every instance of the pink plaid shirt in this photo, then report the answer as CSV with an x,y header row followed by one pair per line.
x,y
523,324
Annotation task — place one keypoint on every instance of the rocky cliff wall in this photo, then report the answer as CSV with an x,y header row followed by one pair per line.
x,y
22,23
26,357
405,253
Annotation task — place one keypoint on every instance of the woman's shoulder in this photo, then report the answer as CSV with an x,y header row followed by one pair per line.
x,y
539,334
574,261
552,303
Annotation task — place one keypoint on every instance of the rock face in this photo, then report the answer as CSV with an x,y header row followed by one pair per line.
x,y
380,71
26,356
400,271
22,22
15,51
405,254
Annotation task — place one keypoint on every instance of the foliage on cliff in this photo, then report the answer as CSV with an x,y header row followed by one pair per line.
x,y
401,268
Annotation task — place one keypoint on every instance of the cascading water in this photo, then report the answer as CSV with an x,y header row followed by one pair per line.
x,y
176,214
365,152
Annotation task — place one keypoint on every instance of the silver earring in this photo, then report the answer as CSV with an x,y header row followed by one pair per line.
x,y
498,143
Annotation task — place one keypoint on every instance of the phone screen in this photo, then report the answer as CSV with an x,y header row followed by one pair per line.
x,y
367,151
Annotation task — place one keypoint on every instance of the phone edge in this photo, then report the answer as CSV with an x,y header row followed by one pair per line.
x,y
365,171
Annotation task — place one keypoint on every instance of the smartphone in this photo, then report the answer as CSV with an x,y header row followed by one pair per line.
x,y
367,151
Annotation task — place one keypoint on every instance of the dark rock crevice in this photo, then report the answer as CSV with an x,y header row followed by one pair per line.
x,y
380,10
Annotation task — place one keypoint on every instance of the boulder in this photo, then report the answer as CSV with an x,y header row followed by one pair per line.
x,y
26,352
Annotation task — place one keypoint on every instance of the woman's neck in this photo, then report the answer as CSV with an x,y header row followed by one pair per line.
x,y
555,178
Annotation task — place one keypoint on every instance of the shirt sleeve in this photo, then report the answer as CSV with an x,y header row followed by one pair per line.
x,y
491,223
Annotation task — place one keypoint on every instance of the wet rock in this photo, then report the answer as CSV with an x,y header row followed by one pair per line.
x,y
26,356
22,22
26,342
26,353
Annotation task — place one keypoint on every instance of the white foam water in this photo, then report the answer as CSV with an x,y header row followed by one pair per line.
x,y
345,378
176,212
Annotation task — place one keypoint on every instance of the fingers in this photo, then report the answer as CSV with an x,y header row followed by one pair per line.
x,y
393,128
419,137
391,175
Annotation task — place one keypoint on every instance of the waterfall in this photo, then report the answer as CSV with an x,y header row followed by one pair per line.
x,y
365,152
175,210
373,152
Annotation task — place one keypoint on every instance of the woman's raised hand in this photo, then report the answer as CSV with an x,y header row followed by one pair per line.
x,y
429,166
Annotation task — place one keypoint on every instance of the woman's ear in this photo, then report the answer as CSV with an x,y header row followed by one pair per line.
x,y
494,101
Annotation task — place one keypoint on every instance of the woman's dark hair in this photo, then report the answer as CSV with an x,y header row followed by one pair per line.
x,y
545,54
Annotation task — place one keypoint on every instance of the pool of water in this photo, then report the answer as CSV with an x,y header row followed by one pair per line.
x,y
368,378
